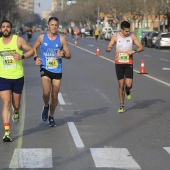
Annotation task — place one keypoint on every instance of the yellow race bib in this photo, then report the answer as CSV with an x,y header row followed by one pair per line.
x,y
51,63
123,57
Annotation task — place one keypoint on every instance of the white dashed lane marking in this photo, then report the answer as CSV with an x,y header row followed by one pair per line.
x,y
76,137
60,99
165,68
164,59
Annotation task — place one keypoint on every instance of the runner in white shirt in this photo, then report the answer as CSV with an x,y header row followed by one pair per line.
x,y
82,32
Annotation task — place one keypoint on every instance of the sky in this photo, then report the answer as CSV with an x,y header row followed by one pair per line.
x,y
44,5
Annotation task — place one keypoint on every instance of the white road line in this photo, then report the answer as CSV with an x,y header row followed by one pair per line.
x,y
167,149
163,59
119,158
147,55
32,158
76,137
165,68
60,99
103,95
153,78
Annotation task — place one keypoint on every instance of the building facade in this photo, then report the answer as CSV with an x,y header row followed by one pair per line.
x,y
27,5
59,5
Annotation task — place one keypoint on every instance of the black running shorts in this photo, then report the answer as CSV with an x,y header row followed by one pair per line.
x,y
124,71
51,75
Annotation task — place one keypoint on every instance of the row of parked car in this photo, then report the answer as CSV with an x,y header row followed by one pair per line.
x,y
149,38
155,39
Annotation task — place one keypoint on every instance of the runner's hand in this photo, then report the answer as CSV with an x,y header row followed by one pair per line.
x,y
38,61
109,48
60,54
17,56
131,52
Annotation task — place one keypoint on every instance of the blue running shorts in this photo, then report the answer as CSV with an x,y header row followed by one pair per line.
x,y
15,85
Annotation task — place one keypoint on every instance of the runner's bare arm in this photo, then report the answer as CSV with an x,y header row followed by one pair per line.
x,y
23,45
136,42
66,50
111,43
37,44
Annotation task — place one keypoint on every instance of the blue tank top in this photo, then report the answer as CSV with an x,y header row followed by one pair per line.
x,y
49,58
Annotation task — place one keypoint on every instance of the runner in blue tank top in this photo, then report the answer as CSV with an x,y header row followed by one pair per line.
x,y
54,47
50,60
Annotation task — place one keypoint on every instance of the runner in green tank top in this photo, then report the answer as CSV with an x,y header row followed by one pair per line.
x,y
11,73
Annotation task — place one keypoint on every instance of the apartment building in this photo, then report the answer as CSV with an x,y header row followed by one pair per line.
x,y
27,5
59,5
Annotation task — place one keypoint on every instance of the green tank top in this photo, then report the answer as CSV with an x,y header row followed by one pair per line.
x,y
9,67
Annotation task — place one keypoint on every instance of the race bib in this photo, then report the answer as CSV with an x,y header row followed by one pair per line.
x,y
8,59
51,63
9,62
123,57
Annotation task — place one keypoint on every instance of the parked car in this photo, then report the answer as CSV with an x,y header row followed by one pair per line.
x,y
87,32
163,40
144,39
152,39
105,31
107,35
113,32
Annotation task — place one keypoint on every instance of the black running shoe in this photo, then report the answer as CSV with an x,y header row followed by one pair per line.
x,y
44,114
51,122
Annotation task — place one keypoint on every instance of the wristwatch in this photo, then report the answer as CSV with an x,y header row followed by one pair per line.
x,y
23,56
64,55
35,58
135,51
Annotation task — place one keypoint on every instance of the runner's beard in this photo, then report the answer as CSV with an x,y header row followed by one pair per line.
x,y
6,35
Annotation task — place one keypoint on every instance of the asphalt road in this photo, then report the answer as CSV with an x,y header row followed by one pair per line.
x,y
90,134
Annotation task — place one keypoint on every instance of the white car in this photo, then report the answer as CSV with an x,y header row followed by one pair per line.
x,y
106,29
108,35
104,34
163,40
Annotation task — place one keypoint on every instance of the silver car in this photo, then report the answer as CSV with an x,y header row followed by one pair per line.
x,y
163,40
152,39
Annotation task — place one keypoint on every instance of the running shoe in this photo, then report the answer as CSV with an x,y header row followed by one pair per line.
x,y
128,94
7,137
44,114
15,116
51,122
121,109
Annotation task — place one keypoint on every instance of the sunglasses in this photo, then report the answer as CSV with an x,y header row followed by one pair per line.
x,y
53,18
